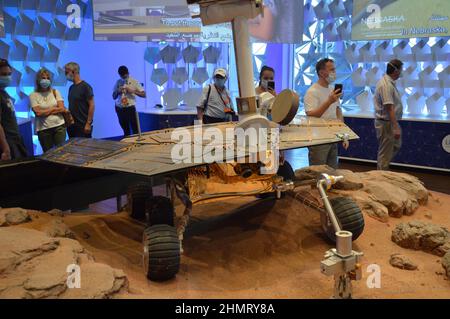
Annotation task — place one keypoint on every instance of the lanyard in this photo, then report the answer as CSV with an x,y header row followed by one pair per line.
x,y
220,94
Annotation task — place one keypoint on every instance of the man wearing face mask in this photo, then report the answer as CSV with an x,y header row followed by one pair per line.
x,y
388,112
48,106
322,101
125,91
215,105
11,143
81,103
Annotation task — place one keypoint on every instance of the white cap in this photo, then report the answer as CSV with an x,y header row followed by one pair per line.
x,y
221,72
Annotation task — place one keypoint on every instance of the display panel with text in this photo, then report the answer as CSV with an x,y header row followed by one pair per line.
x,y
394,19
170,20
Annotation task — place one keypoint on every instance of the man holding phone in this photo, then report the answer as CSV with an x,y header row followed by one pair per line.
x,y
322,101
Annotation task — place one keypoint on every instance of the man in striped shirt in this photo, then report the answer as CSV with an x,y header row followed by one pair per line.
x,y
388,112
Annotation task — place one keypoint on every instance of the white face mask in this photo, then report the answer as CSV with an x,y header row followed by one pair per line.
x,y
70,77
331,78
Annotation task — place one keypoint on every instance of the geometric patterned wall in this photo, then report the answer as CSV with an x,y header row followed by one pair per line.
x,y
360,64
180,70
36,31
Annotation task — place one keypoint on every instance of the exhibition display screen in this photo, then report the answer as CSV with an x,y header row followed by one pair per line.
x,y
170,20
395,19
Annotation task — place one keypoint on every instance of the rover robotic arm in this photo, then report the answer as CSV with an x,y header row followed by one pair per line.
x,y
341,262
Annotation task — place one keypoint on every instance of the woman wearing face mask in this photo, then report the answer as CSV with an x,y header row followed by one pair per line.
x,y
48,106
266,81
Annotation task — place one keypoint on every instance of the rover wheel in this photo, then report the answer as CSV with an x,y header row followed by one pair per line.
x,y
349,216
161,252
137,195
159,210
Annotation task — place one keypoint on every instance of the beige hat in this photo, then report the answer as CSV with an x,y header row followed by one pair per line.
x,y
221,72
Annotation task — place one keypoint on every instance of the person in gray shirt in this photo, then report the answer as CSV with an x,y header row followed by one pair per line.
x,y
81,103
215,105
388,113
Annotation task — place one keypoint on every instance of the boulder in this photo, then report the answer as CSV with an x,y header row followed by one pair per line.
x,y
390,196
379,193
49,275
367,205
34,265
410,184
18,245
56,212
443,249
402,262
351,180
57,228
103,282
376,211
446,264
313,172
13,216
422,236
400,193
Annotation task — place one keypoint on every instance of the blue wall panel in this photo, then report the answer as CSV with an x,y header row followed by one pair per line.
x,y
422,143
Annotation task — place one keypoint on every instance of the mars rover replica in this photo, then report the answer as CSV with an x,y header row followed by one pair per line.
x,y
250,173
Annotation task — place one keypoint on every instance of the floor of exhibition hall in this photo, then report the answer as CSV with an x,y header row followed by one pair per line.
x,y
259,248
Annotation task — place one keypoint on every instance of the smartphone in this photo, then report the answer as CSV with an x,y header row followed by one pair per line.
x,y
271,84
339,87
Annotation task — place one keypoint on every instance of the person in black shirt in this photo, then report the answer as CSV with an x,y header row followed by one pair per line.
x,y
11,143
81,103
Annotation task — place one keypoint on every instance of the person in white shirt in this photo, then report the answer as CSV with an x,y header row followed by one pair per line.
x,y
125,91
322,101
48,106
215,105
